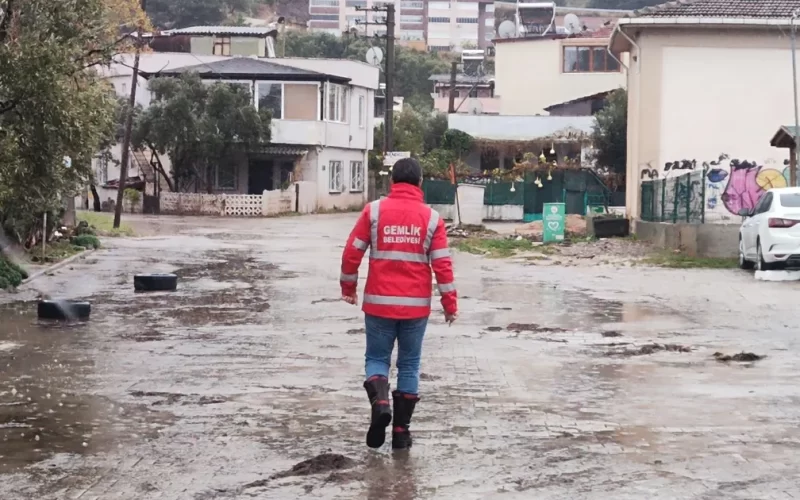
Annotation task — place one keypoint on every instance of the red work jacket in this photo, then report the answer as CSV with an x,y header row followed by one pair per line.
x,y
405,239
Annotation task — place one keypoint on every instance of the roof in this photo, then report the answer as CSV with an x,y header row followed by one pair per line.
x,y
785,137
489,105
261,31
250,68
599,34
279,150
760,9
599,95
521,128
462,78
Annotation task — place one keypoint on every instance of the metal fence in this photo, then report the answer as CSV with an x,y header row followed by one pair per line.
x,y
676,199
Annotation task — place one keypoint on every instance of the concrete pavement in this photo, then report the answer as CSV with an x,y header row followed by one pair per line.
x,y
253,366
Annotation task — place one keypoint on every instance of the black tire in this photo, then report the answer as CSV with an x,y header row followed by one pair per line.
x,y
762,264
155,282
743,262
64,310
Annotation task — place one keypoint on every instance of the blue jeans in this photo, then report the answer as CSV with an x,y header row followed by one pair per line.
x,y
381,334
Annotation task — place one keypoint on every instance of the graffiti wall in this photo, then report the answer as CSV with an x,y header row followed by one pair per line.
x,y
731,183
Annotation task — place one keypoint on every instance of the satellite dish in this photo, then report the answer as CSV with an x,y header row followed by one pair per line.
x,y
572,24
507,29
475,107
374,56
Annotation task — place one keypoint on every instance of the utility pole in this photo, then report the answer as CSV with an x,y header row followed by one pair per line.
x,y
389,22
388,142
793,162
451,108
126,138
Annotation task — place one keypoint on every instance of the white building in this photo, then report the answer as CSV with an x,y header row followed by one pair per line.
x,y
709,78
322,124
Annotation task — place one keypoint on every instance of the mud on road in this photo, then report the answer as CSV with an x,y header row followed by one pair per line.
x,y
591,383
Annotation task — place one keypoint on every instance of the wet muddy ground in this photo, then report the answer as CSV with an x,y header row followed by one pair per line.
x,y
578,383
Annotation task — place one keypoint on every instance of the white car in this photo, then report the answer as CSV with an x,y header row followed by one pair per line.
x,y
770,234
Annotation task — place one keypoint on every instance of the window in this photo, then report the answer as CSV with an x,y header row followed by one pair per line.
x,y
588,60
764,205
439,48
335,181
467,20
270,96
439,6
356,176
356,3
406,19
324,17
361,111
411,5
226,176
473,92
338,97
222,46
790,200
438,19
412,35
324,3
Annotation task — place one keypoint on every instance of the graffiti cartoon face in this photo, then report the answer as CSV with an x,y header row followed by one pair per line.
x,y
742,190
717,175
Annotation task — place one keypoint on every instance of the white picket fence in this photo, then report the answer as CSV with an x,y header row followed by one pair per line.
x,y
231,205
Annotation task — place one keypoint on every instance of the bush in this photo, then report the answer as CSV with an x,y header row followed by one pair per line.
x,y
84,228
86,241
11,275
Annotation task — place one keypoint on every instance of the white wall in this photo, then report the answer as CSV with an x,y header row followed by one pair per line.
x,y
346,199
529,75
698,94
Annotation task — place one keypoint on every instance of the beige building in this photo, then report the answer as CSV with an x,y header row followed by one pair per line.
x,y
533,73
709,78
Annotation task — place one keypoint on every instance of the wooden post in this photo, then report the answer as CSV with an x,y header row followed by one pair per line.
x,y
793,166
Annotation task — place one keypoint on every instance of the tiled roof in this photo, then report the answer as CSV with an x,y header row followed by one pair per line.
x,y
764,9
223,30
250,67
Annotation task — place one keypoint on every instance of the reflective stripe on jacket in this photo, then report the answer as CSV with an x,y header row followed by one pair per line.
x,y
406,239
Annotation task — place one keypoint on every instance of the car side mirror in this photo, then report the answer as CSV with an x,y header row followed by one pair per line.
x,y
745,212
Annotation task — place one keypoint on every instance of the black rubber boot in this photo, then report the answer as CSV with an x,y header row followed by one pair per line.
x,y
403,410
378,392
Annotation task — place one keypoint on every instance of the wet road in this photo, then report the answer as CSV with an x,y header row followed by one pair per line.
x,y
252,367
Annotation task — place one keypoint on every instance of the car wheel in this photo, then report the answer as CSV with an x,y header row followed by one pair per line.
x,y
155,282
64,310
761,265
743,262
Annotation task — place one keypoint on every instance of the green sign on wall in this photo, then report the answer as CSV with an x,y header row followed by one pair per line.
x,y
553,220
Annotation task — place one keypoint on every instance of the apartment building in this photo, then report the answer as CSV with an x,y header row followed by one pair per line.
x,y
421,24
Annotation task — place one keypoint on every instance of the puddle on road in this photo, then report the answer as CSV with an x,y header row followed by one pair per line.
x,y
550,307
46,406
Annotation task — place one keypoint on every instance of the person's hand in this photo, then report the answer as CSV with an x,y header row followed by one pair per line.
x,y
449,318
351,299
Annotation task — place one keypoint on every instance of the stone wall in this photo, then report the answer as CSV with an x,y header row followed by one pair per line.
x,y
696,240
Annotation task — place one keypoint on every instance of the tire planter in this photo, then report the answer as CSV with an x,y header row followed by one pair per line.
x,y
64,310
155,282
610,227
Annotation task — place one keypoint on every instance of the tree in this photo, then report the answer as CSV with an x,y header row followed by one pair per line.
x,y
412,67
610,133
199,126
174,14
52,103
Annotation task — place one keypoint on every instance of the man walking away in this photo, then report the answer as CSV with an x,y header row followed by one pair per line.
x,y
406,238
